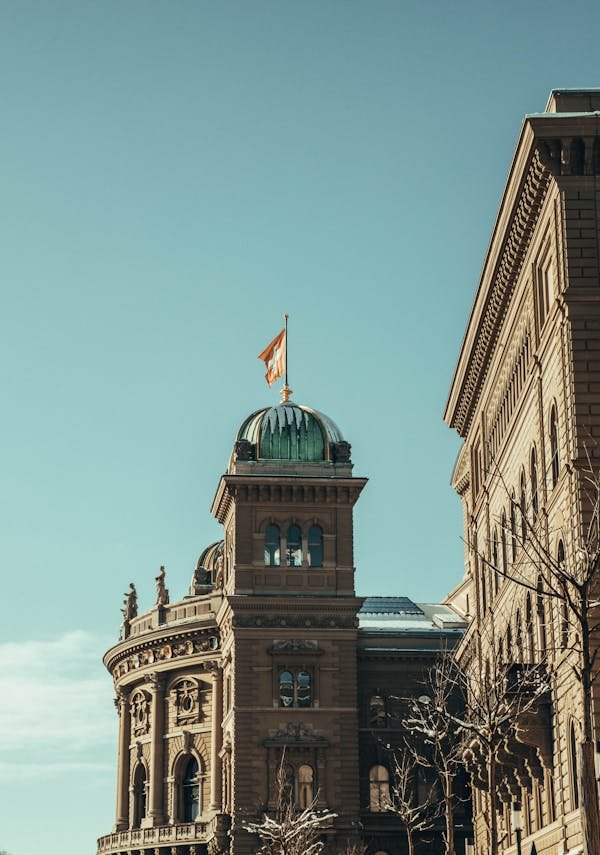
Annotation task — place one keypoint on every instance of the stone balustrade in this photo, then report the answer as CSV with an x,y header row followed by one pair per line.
x,y
162,835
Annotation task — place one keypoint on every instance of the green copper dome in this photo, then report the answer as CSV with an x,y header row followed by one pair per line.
x,y
291,431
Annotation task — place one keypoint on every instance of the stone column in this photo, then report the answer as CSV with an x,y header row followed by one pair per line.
x,y
216,740
122,705
156,812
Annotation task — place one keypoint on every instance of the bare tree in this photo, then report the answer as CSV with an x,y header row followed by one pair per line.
x,y
291,831
572,591
433,738
417,812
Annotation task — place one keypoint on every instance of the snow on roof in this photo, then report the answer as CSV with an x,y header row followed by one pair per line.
x,y
399,614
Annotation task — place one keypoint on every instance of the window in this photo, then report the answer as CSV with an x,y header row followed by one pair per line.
x,y
574,767
377,711
495,560
305,786
379,789
519,636
554,460
564,613
523,508
272,546
544,285
139,795
534,485
541,616
529,630
513,526
295,690
293,550
190,791
315,546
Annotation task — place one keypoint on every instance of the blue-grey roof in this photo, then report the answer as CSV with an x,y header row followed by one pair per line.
x,y
389,606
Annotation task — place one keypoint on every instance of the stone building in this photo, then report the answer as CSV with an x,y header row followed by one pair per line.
x,y
525,398
270,658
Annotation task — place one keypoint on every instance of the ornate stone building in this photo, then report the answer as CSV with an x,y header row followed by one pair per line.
x,y
270,658
526,400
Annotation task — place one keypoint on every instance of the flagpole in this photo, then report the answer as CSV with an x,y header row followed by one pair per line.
x,y
286,392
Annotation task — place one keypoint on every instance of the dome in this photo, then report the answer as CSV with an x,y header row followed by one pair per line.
x,y
208,567
291,431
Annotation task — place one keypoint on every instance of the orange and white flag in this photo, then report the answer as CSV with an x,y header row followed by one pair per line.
x,y
274,358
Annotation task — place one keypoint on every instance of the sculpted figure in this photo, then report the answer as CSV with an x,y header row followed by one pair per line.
x,y
162,593
130,603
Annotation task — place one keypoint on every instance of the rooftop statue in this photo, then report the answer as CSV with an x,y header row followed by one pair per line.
x,y
130,603
162,592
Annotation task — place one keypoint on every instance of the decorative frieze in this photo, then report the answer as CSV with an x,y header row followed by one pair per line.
x,y
160,651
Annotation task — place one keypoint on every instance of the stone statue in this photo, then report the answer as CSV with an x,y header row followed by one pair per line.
x,y
162,593
130,603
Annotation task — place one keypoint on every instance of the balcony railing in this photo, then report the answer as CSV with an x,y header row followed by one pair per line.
x,y
139,838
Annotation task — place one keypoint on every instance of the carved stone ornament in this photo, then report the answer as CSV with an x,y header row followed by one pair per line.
x,y
294,733
187,701
296,621
244,450
295,645
341,451
208,642
187,741
140,713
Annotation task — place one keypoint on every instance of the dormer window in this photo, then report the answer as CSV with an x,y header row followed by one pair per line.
x,y
272,546
294,546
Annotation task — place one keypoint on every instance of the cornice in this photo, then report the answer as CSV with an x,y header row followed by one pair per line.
x,y
296,489
161,646
510,242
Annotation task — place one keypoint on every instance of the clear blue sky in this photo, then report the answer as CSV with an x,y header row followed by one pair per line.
x,y
174,177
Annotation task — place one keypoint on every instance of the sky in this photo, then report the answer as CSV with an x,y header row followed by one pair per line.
x,y
175,176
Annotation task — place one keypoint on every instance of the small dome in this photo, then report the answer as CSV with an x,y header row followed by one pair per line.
x,y
291,431
208,567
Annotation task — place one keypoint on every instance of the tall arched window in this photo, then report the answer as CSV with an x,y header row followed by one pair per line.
x,y
272,546
293,549
554,459
303,689
513,526
483,590
315,546
534,485
523,508
564,613
379,789
519,636
139,795
540,609
574,766
503,546
190,791
495,560
529,629
305,786
286,689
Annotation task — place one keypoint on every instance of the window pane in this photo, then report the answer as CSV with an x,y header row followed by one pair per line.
x,y
304,693
294,546
286,689
377,711
272,546
315,546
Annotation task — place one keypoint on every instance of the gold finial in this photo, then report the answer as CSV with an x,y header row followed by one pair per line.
x,y
286,393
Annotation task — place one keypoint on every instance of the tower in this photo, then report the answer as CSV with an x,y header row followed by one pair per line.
x,y
288,618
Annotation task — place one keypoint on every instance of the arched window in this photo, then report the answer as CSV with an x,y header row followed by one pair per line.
x,y
305,787
286,689
509,643
483,591
377,711
534,485
294,546
529,629
139,795
379,789
190,791
272,546
303,689
523,508
574,766
564,613
554,459
540,609
513,526
518,636
503,546
315,546
495,560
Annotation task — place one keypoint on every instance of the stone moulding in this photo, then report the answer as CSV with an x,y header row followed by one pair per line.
x,y
170,646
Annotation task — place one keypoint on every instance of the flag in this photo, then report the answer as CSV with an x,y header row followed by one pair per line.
x,y
274,358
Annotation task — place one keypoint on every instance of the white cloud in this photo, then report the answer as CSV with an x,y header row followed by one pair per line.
x,y
56,711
